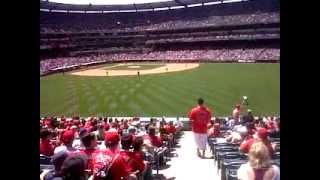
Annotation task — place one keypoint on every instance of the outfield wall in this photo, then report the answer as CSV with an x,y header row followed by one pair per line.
x,y
87,65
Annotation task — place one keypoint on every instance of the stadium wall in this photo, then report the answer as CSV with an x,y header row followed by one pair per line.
x,y
67,69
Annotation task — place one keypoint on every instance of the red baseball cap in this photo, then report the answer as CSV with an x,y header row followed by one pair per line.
x,y
262,133
111,137
67,136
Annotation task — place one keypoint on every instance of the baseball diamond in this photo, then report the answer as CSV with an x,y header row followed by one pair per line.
x,y
131,70
160,89
88,92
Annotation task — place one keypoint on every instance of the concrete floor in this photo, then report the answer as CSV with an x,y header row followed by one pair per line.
x,y
186,165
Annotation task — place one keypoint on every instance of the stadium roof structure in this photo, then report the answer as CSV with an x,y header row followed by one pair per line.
x,y
49,6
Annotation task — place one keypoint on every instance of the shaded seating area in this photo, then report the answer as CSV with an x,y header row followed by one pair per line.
x,y
228,158
158,159
176,157
45,163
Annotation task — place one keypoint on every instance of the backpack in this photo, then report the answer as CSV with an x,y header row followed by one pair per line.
x,y
101,165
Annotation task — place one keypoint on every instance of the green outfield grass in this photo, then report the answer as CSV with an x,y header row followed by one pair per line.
x,y
171,94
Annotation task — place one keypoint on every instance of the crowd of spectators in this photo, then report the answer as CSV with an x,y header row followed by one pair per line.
x,y
250,12
246,144
219,37
245,128
214,55
174,24
52,64
115,43
82,148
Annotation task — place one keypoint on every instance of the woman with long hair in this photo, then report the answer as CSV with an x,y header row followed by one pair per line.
x,y
259,166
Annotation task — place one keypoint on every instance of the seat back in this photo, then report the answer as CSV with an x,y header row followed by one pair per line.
x,y
45,163
45,160
233,155
226,149
42,167
231,174
274,139
276,155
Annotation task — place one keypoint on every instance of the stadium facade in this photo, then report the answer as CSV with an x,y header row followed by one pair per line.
x,y
209,31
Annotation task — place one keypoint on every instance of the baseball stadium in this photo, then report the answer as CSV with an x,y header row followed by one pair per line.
x,y
176,77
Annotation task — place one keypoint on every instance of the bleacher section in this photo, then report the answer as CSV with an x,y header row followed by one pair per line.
x,y
248,31
247,12
223,164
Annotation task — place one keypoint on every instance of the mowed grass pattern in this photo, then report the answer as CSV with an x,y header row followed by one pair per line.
x,y
170,94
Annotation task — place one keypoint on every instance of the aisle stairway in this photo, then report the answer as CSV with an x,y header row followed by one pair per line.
x,y
186,165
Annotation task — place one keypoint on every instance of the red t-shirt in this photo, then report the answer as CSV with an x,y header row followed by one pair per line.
x,y
170,129
163,130
48,122
119,169
46,148
200,116
134,160
139,160
89,153
155,140
246,145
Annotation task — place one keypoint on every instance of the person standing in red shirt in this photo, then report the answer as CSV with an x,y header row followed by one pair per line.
x,y
200,116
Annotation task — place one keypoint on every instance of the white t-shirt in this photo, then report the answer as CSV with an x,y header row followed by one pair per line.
x,y
245,170
63,148
231,123
77,144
